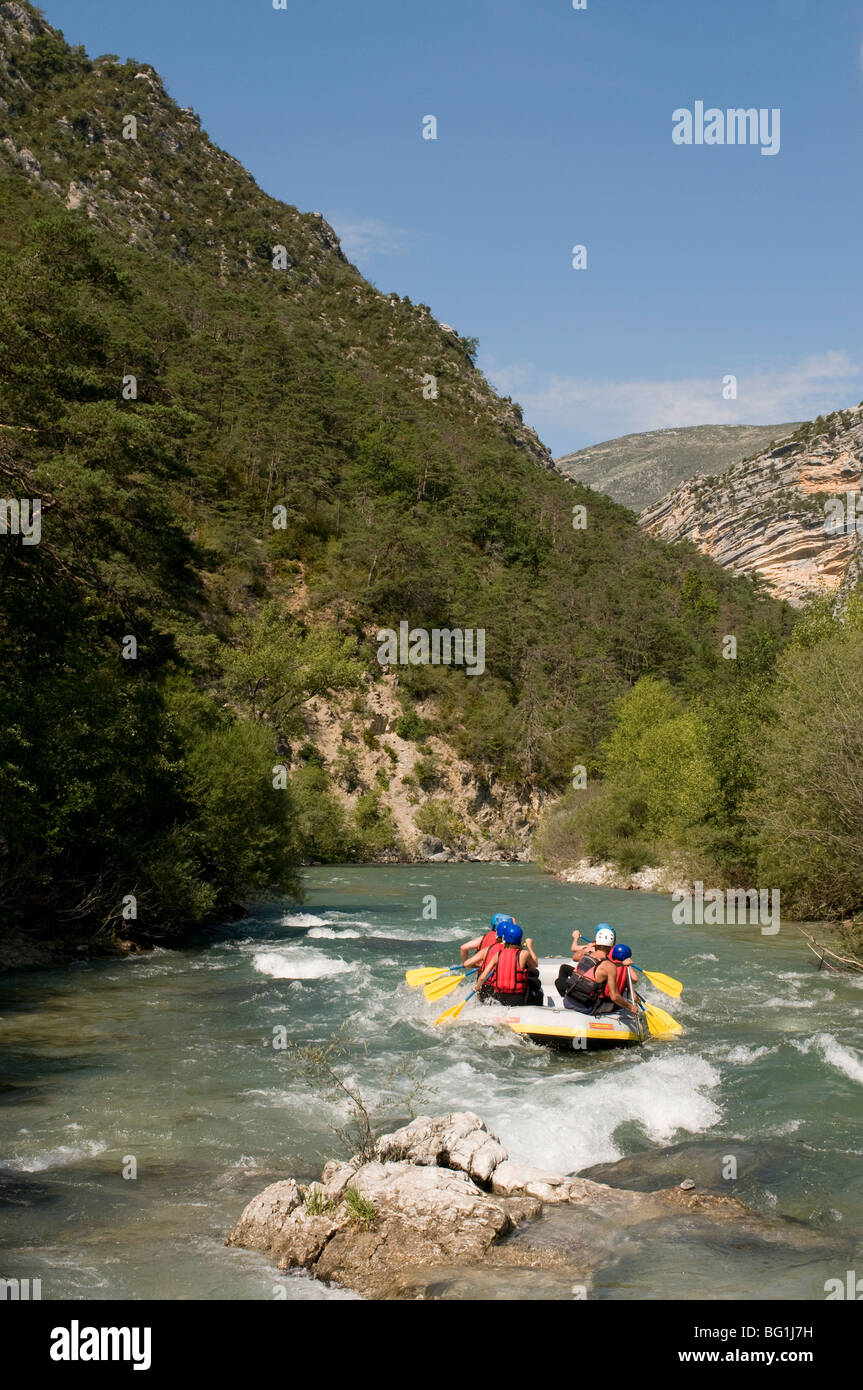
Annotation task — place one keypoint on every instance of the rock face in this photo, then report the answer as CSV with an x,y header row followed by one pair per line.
x,y
489,820
639,469
442,1195
769,514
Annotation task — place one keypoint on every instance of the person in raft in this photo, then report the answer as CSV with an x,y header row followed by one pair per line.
x,y
473,951
621,954
510,972
595,984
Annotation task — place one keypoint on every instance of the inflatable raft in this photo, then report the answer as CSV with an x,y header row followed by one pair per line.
x,y
551,1025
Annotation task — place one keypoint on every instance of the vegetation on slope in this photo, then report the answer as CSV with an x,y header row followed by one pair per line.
x,y
299,390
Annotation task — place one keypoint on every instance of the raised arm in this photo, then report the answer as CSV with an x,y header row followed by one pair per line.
x,y
607,972
476,959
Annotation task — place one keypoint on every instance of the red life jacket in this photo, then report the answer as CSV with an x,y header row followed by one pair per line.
x,y
622,981
508,975
490,939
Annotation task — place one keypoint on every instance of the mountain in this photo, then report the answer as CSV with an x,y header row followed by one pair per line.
x,y
777,514
250,463
638,469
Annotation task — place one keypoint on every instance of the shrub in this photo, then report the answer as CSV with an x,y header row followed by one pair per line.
x,y
375,826
437,818
410,726
426,773
361,1210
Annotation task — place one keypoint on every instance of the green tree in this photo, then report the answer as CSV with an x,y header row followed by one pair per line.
x,y
278,665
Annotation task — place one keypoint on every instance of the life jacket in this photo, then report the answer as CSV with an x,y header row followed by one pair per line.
x,y
490,939
584,987
508,975
622,981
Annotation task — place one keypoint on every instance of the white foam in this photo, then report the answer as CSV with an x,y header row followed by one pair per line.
x,y
842,1059
300,963
569,1123
331,934
423,932
303,919
60,1157
742,1055
790,1127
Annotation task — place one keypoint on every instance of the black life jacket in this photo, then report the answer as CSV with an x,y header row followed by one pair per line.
x,y
508,975
584,988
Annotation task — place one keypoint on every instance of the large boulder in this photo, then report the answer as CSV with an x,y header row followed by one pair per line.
x,y
459,1140
261,1225
418,1214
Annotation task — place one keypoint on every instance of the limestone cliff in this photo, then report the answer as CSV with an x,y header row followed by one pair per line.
x,y
773,515
639,469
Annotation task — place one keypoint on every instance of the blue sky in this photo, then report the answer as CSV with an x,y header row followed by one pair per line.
x,y
554,129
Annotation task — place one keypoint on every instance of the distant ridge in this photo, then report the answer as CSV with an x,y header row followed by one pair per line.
x,y
638,469
775,514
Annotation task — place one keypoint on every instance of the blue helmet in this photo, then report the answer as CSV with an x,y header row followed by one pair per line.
x,y
512,934
499,921
621,953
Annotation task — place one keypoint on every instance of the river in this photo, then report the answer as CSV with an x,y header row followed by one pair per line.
x,y
167,1059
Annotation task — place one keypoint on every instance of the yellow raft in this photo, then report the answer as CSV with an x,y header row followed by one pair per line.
x,y
551,1025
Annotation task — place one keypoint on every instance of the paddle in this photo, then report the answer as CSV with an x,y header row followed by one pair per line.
x,y
666,983
661,1024
424,974
438,988
454,1011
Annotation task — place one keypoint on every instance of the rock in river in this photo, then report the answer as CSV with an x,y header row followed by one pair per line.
x,y
440,1197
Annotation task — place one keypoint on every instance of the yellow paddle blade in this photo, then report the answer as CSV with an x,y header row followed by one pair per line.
x,y
449,1014
415,978
666,983
439,988
661,1024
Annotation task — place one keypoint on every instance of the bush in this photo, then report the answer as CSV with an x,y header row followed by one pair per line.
x,y
410,726
438,819
320,825
375,827
426,773
347,769
807,809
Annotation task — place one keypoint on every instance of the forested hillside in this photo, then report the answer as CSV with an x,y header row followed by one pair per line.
x,y
241,468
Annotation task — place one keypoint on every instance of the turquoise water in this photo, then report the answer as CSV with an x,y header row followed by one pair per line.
x,y
168,1059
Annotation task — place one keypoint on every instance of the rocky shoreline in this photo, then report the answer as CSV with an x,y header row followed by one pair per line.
x,y
440,1199
662,878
